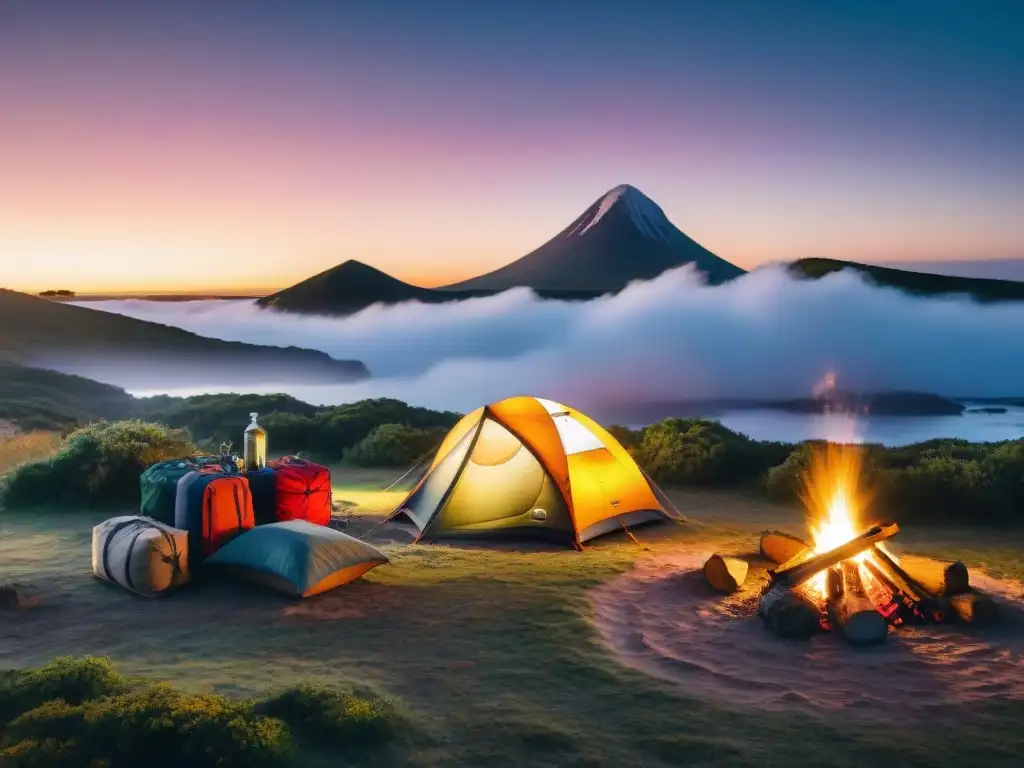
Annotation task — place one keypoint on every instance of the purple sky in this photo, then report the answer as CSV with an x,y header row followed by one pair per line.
x,y
440,140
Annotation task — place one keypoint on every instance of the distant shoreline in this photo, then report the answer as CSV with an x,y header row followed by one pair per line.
x,y
159,297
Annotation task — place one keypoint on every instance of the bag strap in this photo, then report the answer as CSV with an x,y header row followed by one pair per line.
x,y
105,559
143,523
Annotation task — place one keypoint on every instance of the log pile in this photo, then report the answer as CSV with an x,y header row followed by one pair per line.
x,y
867,590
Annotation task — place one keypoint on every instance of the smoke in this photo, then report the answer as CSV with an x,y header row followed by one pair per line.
x,y
764,335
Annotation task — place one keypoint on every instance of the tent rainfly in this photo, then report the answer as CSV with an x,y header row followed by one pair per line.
x,y
531,467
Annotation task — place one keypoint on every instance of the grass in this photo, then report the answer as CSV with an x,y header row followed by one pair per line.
x,y
18,449
491,650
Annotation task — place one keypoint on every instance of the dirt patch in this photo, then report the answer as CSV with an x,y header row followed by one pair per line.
x,y
662,619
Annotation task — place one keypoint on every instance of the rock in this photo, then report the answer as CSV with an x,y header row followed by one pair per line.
x,y
17,595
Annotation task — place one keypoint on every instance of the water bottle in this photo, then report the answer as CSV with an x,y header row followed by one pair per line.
x,y
254,452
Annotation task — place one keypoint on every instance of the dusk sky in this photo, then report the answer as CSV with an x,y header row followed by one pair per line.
x,y
247,145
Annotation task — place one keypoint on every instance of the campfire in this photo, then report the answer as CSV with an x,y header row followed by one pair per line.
x,y
845,579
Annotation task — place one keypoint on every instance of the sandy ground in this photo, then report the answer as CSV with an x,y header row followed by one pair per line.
x,y
663,619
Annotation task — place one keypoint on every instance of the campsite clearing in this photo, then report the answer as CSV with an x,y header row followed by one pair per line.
x,y
493,649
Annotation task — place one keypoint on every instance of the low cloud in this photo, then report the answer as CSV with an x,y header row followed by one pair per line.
x,y
670,339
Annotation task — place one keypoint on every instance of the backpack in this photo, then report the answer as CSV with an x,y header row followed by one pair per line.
x,y
213,507
158,485
303,490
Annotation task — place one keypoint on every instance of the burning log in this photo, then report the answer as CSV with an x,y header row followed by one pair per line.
x,y
725,574
936,577
973,607
897,605
792,612
850,610
918,604
794,575
778,547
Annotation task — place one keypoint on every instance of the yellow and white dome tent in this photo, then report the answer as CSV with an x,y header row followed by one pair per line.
x,y
531,467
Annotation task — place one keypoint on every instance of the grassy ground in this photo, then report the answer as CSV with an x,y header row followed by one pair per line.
x,y
492,650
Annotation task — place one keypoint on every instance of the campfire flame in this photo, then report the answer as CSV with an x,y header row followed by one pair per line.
x,y
834,500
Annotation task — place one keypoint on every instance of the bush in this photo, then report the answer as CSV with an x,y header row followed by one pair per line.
x,y
698,452
82,712
336,718
73,680
291,424
787,481
154,726
628,438
394,445
219,418
100,463
938,481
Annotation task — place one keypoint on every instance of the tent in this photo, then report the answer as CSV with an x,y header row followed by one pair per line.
x,y
531,467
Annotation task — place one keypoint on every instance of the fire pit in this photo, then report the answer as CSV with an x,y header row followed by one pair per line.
x,y
848,581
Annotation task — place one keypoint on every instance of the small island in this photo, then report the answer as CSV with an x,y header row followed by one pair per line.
x,y
872,404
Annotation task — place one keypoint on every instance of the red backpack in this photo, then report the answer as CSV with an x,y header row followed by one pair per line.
x,y
303,490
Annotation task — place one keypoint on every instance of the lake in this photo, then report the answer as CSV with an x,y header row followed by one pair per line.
x,y
887,430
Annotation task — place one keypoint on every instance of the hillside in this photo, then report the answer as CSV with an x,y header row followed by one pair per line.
x,y
623,236
353,286
917,283
34,398
137,354
347,288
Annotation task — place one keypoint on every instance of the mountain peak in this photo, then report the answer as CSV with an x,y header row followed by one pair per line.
x,y
624,189
637,208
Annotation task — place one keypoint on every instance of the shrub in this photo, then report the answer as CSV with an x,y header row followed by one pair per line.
x,y
786,481
336,718
219,417
933,488
345,425
82,712
698,452
628,438
291,424
393,445
72,680
155,726
99,463
1004,471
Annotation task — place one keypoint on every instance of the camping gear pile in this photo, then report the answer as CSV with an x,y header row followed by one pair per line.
x,y
263,521
858,588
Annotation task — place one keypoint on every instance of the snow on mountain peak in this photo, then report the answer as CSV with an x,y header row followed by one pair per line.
x,y
644,213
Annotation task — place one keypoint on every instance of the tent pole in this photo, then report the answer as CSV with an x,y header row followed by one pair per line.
x,y
419,461
680,517
629,533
